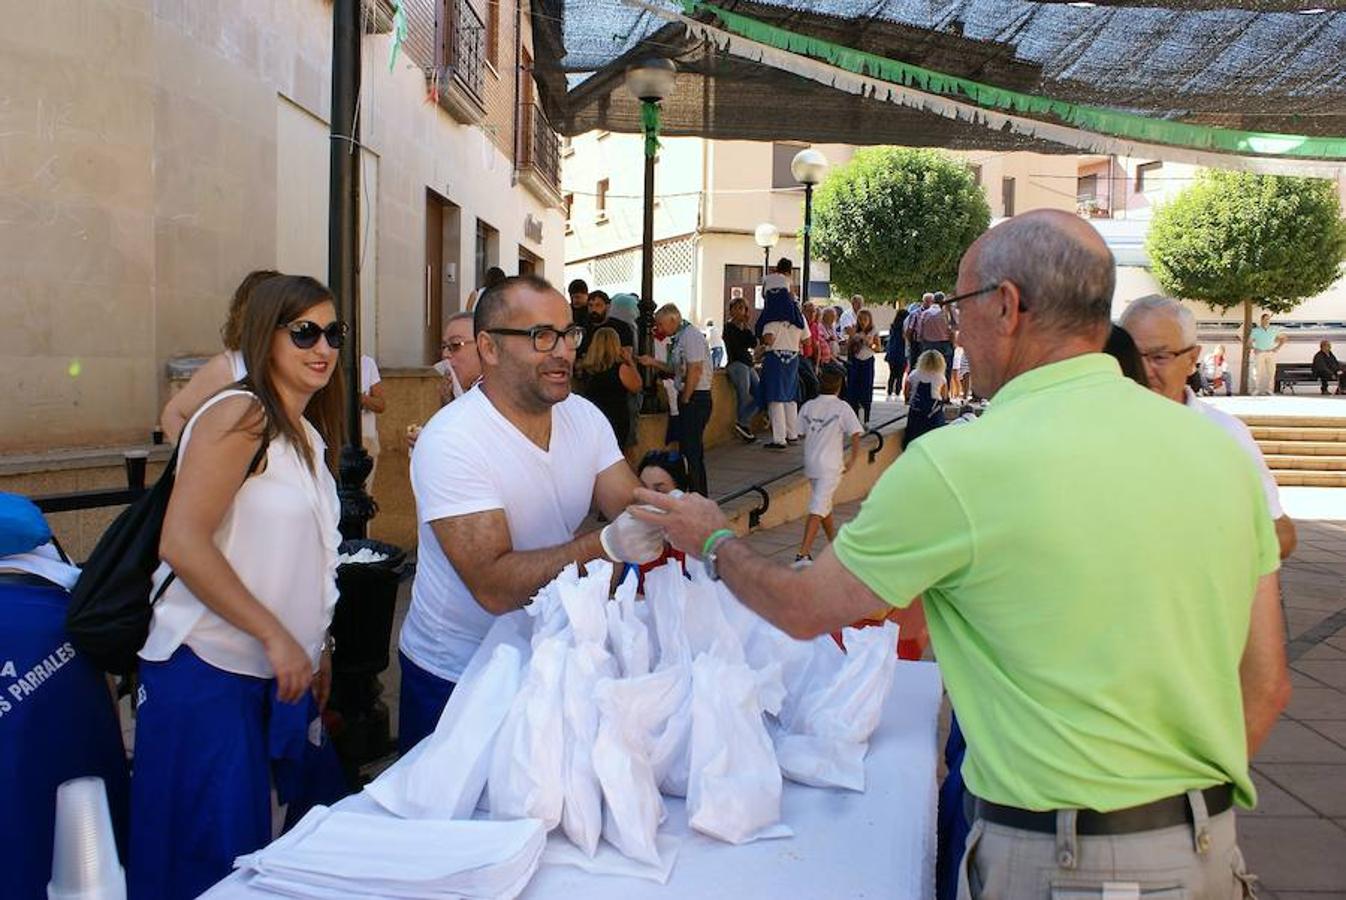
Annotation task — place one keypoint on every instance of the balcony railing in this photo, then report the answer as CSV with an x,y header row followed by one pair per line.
x,y
539,146
466,49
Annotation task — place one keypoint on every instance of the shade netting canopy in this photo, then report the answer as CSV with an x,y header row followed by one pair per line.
x,y
1259,85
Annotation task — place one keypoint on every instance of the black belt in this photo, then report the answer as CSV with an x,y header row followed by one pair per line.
x,y
1164,813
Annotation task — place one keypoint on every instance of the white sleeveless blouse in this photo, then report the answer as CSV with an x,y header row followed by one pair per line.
x,y
237,366
280,536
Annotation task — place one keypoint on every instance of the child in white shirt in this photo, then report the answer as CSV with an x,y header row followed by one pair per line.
x,y
826,422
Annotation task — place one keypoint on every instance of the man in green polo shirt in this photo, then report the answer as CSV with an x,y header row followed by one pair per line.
x,y
1266,340
1113,663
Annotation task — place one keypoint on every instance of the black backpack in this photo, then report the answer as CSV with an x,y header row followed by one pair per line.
x,y
110,608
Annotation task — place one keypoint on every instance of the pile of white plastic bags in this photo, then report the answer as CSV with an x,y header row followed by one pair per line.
x,y
585,711
347,855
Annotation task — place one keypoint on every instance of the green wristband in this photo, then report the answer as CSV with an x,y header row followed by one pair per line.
x,y
716,536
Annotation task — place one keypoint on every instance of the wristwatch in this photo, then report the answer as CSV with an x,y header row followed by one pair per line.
x,y
712,558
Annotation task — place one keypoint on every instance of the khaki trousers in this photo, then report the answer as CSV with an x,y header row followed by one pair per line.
x,y
1200,861
1264,372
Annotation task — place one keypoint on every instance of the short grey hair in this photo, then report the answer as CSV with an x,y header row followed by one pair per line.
x,y
1065,283
668,309
928,297
1158,304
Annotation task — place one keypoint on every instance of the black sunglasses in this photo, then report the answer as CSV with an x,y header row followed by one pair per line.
x,y
304,334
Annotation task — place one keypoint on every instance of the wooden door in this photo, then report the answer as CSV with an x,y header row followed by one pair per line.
x,y
433,277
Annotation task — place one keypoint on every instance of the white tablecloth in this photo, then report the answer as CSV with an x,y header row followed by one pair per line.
x,y
877,844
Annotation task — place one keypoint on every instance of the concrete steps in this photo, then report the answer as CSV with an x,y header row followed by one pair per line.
x,y
1305,478
1278,461
1308,451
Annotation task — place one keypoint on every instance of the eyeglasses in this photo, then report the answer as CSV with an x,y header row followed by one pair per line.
x,y
544,336
453,345
977,293
1164,357
304,334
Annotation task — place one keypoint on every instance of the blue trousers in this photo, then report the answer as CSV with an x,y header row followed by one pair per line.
x,y
860,385
744,379
201,780
952,826
693,416
420,703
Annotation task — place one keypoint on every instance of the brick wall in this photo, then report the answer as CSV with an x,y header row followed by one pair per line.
x,y
498,83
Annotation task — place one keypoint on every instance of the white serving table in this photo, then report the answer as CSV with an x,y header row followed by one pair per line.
x,y
878,844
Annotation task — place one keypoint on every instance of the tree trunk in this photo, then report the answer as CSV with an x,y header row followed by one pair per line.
x,y
1244,379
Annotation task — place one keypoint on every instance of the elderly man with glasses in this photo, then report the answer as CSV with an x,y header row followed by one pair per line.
x,y
503,477
1165,334
1113,661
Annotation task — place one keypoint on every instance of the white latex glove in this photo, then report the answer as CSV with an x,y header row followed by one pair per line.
x,y
630,540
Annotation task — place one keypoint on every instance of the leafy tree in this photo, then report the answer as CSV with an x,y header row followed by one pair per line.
x,y
1234,238
894,222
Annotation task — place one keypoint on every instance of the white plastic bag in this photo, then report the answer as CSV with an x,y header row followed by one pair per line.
x,y
666,599
445,778
526,767
628,633
670,753
708,631
734,792
587,661
629,711
825,740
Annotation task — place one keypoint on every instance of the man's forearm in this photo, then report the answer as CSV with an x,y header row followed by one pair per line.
x,y
510,582
782,596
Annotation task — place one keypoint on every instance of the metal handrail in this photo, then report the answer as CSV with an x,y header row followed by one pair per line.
x,y
102,497
760,487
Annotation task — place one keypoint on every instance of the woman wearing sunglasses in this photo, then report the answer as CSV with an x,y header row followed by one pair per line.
x,y
235,668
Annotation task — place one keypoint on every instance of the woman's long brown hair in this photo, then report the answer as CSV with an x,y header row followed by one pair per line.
x,y
232,331
276,302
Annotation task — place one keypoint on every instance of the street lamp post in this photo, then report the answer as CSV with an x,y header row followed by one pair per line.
x,y
766,237
808,168
649,82
343,278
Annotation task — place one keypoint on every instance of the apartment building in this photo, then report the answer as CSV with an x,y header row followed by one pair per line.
x,y
156,152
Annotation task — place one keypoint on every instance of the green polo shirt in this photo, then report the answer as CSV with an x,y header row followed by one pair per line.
x,y
1087,617
1264,338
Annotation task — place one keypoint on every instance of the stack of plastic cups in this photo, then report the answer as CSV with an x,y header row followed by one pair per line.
x,y
84,864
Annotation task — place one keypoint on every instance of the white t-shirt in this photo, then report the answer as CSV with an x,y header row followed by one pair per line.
x,y
935,381
827,422
713,337
864,351
774,281
369,376
690,347
785,336
961,364
848,320
469,459
1240,433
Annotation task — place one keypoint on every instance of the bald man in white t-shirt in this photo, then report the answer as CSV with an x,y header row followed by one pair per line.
x,y
503,478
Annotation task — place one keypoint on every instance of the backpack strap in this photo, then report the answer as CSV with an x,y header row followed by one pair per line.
x,y
252,467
